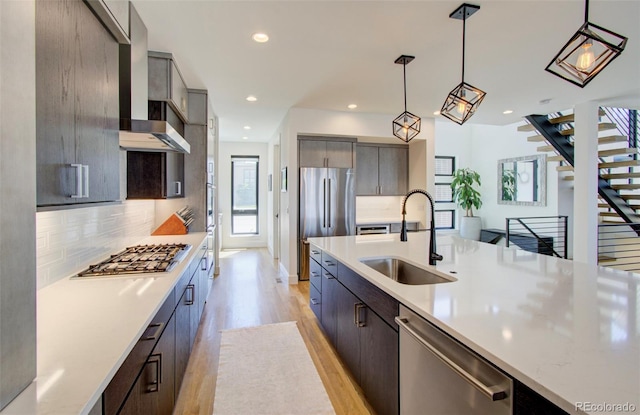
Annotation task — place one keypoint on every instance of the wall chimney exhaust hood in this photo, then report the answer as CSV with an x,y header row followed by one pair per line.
x,y
137,132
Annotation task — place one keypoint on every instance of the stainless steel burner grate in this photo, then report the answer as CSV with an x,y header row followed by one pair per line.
x,y
139,259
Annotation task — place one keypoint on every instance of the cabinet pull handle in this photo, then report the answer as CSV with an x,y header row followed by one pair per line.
x,y
356,314
154,384
330,264
315,252
85,187
156,335
314,301
314,274
329,276
204,262
178,188
329,225
79,176
190,301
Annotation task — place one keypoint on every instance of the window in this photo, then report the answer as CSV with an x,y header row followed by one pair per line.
x,y
244,195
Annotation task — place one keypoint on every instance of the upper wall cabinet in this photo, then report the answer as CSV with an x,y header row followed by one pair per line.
x,y
114,14
77,113
325,152
166,83
383,170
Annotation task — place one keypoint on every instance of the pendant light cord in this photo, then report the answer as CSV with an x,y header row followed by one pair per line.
x,y
586,11
404,72
464,24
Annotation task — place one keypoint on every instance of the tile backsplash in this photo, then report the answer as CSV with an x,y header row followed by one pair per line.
x,y
378,207
67,241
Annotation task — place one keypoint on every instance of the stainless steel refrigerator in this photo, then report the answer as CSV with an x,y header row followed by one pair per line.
x,y
327,208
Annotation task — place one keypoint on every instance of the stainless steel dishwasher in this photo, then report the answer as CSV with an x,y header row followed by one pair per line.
x,y
440,376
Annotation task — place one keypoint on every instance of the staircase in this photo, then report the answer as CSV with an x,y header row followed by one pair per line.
x,y
619,162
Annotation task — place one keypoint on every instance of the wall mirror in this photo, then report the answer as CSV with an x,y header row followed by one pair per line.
x,y
523,181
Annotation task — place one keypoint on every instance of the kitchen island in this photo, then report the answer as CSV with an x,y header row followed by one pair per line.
x,y
568,331
86,328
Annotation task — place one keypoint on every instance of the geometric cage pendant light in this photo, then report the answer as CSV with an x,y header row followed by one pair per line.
x,y
587,53
406,125
463,101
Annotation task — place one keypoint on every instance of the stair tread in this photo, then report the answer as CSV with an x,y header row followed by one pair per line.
x,y
569,118
631,197
555,158
617,151
545,148
610,214
627,186
569,178
536,138
526,127
601,127
614,164
612,139
564,168
613,176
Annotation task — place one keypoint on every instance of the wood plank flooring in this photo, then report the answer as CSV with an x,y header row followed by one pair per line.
x,y
248,292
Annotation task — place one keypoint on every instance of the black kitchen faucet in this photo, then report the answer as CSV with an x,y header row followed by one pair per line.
x,y
433,256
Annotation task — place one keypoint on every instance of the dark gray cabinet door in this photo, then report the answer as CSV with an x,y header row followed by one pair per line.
x,y
379,363
312,153
366,170
183,349
348,307
97,111
77,109
339,154
179,94
175,174
393,174
330,287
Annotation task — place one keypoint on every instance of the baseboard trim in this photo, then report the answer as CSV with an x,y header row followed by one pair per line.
x,y
284,274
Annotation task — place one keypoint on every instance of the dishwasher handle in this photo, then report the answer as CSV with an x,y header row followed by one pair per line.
x,y
494,393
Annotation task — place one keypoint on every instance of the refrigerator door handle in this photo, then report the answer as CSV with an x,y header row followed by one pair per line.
x,y
329,204
324,203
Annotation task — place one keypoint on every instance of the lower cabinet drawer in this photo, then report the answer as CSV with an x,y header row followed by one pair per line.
x,y
315,274
315,300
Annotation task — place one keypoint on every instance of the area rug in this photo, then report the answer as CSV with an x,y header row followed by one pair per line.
x,y
266,370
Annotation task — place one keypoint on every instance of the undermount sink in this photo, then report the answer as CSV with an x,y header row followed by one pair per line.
x,y
403,272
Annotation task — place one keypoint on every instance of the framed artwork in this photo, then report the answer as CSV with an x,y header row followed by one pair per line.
x,y
444,194
283,180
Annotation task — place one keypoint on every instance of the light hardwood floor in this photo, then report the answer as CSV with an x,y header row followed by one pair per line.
x,y
248,292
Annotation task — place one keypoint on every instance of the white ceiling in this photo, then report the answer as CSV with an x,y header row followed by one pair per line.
x,y
328,54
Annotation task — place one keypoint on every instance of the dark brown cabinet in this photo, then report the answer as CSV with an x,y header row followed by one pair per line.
x,y
327,152
155,175
77,106
153,391
382,170
358,319
166,83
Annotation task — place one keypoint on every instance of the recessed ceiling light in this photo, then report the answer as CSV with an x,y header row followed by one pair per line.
x,y
260,37
251,98
245,138
436,112
246,127
507,112
352,106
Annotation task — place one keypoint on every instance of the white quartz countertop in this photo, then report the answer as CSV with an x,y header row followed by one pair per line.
x,y
568,330
87,327
382,221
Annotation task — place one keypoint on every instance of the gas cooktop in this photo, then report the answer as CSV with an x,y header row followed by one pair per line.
x,y
139,259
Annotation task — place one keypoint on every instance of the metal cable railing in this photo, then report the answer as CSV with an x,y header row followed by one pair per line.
x,y
542,234
619,246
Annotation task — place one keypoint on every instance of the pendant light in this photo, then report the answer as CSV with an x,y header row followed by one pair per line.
x,y
406,125
464,99
587,53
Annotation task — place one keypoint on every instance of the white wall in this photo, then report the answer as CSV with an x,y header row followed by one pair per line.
x,y
480,147
228,149
346,124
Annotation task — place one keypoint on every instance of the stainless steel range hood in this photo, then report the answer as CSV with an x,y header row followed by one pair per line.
x,y
152,135
137,132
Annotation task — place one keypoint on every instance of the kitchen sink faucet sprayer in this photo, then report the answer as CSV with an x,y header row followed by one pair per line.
x,y
433,256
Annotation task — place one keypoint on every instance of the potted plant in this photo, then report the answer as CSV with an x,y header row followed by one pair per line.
x,y
465,196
